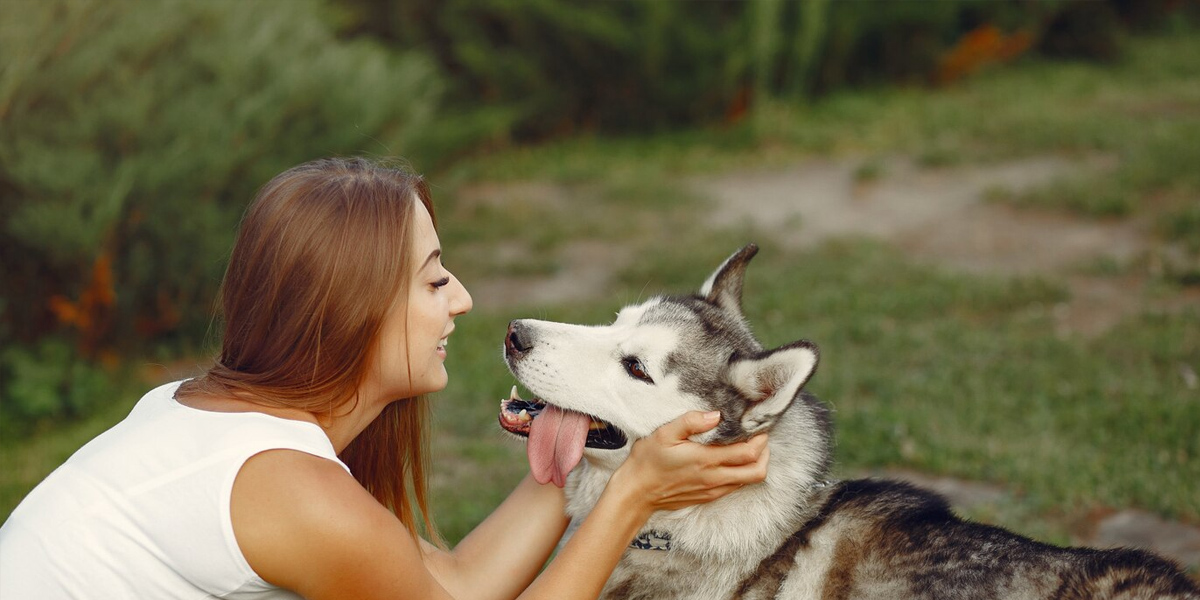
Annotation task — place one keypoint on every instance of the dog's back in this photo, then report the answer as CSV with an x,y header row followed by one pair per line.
x,y
890,540
886,540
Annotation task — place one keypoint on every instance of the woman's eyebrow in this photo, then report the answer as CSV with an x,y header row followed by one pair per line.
x,y
432,255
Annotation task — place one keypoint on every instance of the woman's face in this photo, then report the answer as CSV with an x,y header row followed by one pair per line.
x,y
414,334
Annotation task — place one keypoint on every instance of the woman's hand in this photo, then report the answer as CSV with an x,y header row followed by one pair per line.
x,y
665,471
669,471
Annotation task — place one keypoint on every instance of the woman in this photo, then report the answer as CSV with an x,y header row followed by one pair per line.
x,y
295,465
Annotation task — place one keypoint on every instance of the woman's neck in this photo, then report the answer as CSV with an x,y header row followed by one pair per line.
x,y
342,427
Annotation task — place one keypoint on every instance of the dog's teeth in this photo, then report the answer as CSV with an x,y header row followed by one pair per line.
x,y
524,416
512,395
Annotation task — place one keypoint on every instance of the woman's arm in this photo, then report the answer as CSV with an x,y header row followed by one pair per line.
x,y
305,524
502,556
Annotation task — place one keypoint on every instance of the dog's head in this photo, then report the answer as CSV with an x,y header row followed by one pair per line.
x,y
599,388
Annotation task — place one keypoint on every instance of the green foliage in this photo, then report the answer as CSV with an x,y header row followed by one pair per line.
x,y
47,383
549,67
1183,226
1082,195
894,41
1181,261
132,135
563,65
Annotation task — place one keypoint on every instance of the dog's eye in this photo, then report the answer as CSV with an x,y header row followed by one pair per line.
x,y
635,368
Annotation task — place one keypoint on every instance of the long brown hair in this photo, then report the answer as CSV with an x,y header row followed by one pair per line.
x,y
321,254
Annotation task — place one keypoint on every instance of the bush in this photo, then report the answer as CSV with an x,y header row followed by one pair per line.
x,y
551,67
133,134
559,66
47,383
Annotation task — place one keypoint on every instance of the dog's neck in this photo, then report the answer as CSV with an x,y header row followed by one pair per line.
x,y
749,522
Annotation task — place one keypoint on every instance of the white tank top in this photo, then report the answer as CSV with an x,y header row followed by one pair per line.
x,y
142,511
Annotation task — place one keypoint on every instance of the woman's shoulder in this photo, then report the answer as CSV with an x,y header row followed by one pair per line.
x,y
298,488
302,521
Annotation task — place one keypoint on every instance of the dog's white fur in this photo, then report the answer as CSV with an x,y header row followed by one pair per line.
x,y
579,368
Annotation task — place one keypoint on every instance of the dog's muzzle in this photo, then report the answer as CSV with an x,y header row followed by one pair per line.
x,y
517,413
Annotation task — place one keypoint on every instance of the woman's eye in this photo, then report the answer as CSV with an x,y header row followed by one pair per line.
x,y
637,369
441,282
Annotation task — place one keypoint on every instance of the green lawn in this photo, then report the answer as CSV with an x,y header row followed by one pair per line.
x,y
927,370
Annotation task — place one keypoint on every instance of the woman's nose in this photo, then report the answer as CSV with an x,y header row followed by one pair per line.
x,y
462,300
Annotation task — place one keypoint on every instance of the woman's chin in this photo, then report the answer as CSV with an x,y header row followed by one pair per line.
x,y
435,382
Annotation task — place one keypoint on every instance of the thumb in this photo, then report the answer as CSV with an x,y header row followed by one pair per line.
x,y
690,424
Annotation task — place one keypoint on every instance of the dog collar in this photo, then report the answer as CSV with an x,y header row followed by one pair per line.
x,y
652,539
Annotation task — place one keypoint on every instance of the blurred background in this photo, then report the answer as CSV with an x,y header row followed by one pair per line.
x,y
986,214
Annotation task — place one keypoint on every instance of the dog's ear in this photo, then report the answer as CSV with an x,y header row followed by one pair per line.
x,y
724,286
772,381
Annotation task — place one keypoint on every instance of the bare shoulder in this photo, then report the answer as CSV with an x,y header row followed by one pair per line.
x,y
305,524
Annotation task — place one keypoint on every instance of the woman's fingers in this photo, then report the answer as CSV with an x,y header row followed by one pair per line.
x,y
747,466
752,472
726,479
722,480
689,424
698,497
743,453
696,422
675,472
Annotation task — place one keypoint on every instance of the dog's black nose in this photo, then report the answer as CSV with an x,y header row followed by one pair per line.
x,y
518,341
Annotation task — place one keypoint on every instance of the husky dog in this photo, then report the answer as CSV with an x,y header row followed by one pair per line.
x,y
795,535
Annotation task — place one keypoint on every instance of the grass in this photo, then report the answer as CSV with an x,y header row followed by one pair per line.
x,y
927,370
1183,226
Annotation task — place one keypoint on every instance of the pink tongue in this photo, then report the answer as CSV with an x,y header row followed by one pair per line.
x,y
556,440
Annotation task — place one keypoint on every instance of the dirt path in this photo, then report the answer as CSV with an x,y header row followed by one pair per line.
x,y
941,216
935,215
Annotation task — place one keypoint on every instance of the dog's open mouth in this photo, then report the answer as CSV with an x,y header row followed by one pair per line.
x,y
517,415
557,437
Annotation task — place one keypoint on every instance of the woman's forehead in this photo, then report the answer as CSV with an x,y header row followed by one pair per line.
x,y
425,238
